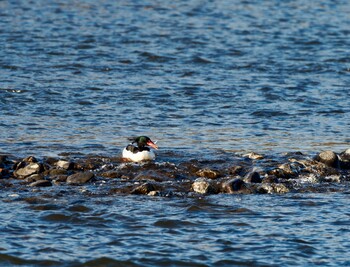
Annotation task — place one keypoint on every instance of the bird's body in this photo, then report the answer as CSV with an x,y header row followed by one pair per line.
x,y
141,151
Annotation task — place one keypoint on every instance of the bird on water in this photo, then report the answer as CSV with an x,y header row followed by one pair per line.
x,y
141,151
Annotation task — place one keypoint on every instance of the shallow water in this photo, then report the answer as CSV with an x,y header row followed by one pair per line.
x,y
202,78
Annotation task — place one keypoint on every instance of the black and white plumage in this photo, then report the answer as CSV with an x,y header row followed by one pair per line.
x,y
141,151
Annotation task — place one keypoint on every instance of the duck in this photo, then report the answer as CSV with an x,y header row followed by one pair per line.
x,y
142,151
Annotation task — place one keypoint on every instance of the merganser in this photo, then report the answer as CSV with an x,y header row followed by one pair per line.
x,y
141,151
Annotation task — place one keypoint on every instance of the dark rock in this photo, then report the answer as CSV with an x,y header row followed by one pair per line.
x,y
208,173
66,165
233,185
235,170
144,189
329,158
203,186
111,174
80,178
59,178
53,172
34,177
41,183
28,170
18,165
345,159
270,179
253,177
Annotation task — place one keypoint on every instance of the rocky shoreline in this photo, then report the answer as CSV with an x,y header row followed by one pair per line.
x,y
239,174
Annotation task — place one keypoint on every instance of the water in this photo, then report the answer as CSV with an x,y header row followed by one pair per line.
x,y
203,78
247,230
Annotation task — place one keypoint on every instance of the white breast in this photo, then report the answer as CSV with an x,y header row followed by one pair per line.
x,y
139,156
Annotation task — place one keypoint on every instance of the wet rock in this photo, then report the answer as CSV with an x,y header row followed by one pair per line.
x,y
345,159
332,179
272,188
253,155
208,173
111,174
270,179
290,170
329,158
233,185
203,186
80,178
59,178
30,159
53,172
28,170
66,165
41,183
253,177
145,189
33,178
235,170
154,193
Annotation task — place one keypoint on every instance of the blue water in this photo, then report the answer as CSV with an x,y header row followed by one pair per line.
x,y
201,77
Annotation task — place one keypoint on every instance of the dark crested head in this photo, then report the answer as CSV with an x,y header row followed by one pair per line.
x,y
143,141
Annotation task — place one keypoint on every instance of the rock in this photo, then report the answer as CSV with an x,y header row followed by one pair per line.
x,y
203,186
144,189
53,172
28,170
253,177
208,173
30,159
66,165
235,170
270,179
329,158
272,188
34,177
290,170
59,178
253,155
41,183
233,185
154,193
111,174
80,178
345,159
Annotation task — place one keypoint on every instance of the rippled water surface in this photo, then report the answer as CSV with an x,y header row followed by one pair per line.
x,y
247,230
201,77
233,75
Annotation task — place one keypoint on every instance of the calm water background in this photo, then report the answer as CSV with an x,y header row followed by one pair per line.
x,y
232,76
